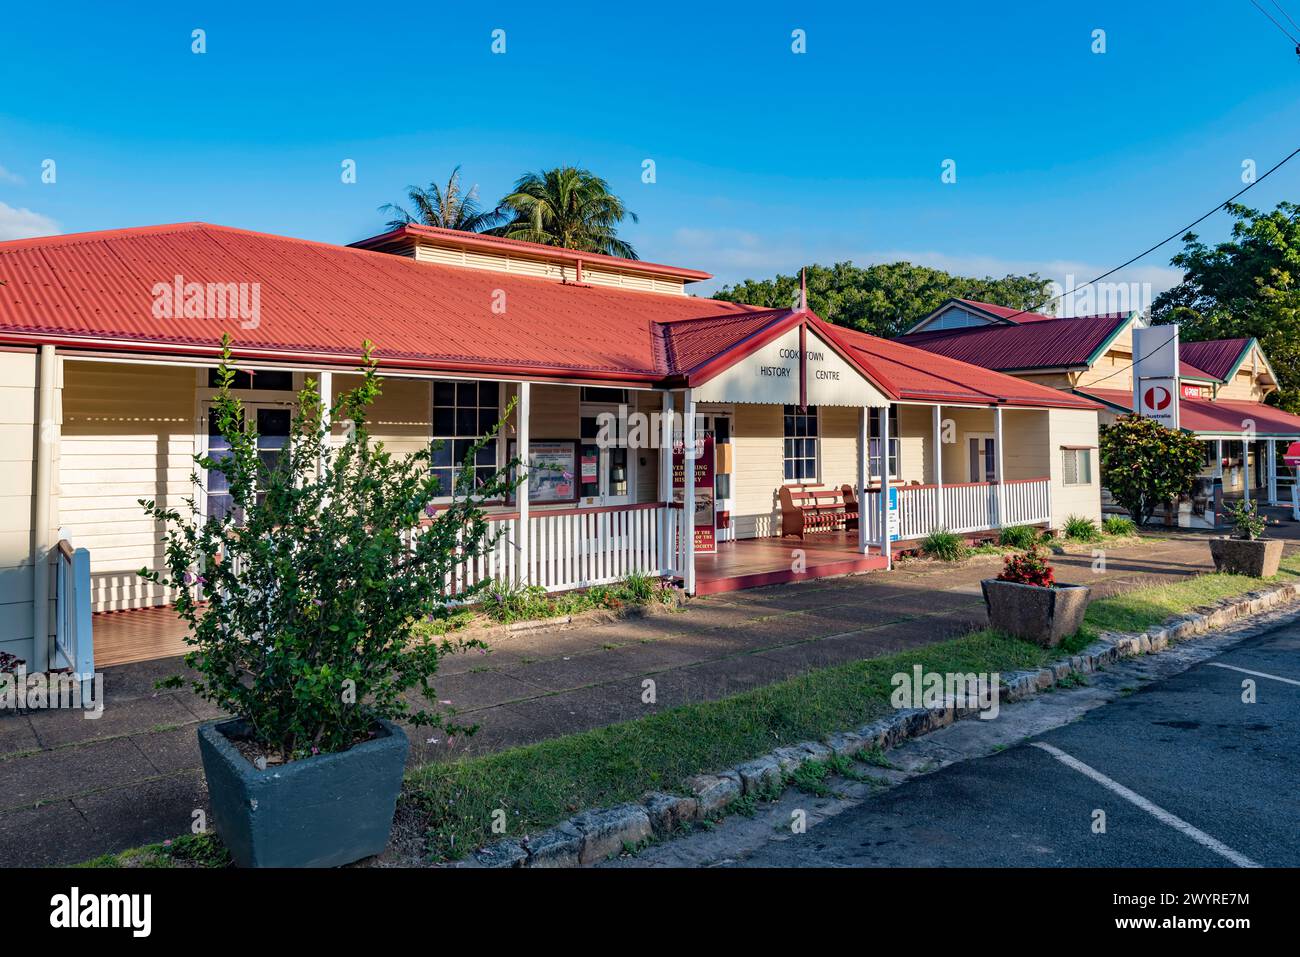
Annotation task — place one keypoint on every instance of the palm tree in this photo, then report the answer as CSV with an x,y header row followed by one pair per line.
x,y
567,207
448,207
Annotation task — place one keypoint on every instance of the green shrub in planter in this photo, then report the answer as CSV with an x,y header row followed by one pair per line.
x,y
1247,521
303,599
944,545
1245,553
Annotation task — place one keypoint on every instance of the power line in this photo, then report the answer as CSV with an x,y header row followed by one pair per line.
x,y
1285,14
1131,365
1150,249
1284,30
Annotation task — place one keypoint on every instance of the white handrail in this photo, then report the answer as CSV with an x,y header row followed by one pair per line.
x,y
578,548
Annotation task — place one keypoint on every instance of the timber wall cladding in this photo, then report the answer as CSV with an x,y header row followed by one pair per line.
x,y
1076,427
399,418
128,434
18,412
543,269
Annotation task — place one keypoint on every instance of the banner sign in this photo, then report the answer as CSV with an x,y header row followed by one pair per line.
x,y
704,523
1155,374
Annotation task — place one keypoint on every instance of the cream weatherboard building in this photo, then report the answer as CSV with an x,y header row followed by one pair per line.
x,y
1223,384
108,344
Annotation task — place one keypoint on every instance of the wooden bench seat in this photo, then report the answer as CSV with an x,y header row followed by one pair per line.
x,y
812,508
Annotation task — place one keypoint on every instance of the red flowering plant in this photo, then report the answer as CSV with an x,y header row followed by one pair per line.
x,y
1028,568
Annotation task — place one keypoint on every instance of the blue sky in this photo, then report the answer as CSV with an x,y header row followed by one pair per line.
x,y
1067,160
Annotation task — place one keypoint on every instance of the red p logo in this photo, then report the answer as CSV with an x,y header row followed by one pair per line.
x,y
1157,398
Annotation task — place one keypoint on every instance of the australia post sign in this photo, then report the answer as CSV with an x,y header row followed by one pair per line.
x,y
1155,374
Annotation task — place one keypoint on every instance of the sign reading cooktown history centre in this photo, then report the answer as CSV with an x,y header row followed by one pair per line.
x,y
771,375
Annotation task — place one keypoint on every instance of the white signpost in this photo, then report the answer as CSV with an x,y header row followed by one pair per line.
x,y
1155,374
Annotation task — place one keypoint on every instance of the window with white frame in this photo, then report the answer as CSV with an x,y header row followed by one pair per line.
x,y
873,444
800,434
462,413
1076,466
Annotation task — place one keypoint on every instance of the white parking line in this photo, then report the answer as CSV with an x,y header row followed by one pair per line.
x,y
1257,674
1159,813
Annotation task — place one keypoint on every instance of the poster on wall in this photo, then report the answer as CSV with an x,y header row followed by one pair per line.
x,y
705,516
551,466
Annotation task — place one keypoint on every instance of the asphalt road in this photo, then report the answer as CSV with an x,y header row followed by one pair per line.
x,y
1195,777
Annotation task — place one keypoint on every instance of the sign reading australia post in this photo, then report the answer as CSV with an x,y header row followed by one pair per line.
x,y
1155,374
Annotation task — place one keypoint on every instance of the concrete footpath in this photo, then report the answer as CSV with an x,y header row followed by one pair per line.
x,y
72,788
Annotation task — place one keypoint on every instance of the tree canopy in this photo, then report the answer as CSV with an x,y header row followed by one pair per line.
x,y
1245,286
885,299
568,207
448,207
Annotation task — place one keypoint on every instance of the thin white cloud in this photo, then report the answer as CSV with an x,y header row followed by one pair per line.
x,y
22,223
734,252
6,176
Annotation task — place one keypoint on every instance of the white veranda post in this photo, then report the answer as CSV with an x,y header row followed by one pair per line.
x,y
997,457
521,492
667,526
864,476
47,437
886,546
688,490
936,422
1247,475
1271,465
327,423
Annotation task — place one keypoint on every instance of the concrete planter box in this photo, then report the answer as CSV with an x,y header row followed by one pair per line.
x,y
1042,615
322,811
1257,557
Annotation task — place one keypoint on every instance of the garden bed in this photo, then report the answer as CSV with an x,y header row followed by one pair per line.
x,y
506,611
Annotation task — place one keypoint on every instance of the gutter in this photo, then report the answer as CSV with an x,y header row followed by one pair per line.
x,y
502,371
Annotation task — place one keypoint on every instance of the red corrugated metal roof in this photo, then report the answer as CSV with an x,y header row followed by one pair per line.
x,y
688,343
1218,416
1188,371
318,300
321,298
917,374
1216,356
1045,344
